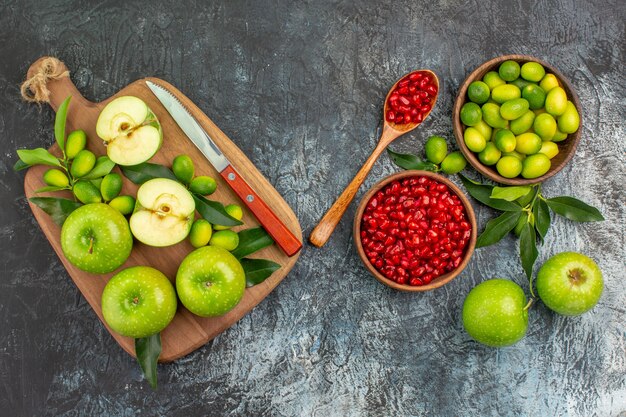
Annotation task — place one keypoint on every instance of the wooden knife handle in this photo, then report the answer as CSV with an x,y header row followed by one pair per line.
x,y
270,222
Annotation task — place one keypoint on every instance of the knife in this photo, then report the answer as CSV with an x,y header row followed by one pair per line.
x,y
199,137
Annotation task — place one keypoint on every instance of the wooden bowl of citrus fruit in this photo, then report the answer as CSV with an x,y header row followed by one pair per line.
x,y
517,120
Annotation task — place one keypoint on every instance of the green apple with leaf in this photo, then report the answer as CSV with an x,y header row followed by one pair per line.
x,y
138,302
96,238
210,281
495,313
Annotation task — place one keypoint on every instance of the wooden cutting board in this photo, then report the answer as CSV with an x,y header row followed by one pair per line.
x,y
187,331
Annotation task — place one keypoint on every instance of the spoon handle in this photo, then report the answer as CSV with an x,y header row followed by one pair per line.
x,y
321,233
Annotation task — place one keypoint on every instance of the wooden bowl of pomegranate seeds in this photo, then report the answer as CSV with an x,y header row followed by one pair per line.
x,y
415,231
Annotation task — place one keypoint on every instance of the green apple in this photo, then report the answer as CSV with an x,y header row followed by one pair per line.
x,y
138,302
163,213
96,238
130,130
495,313
210,281
570,283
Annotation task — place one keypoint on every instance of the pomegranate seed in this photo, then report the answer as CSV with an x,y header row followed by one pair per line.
x,y
416,281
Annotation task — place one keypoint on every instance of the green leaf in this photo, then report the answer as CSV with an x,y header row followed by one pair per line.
x,y
57,208
574,209
528,250
20,165
59,123
542,218
410,161
258,270
509,193
50,188
214,212
39,156
252,240
497,228
525,200
482,193
148,350
147,171
103,166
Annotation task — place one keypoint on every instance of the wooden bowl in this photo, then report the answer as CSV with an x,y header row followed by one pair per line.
x,y
440,280
567,147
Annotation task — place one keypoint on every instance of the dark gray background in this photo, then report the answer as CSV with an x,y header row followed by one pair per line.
x,y
299,86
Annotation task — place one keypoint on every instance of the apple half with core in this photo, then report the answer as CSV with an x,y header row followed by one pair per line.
x,y
131,131
210,281
163,213
570,283
138,302
96,238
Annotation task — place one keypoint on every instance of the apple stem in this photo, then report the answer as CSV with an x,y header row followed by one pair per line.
x,y
90,251
529,305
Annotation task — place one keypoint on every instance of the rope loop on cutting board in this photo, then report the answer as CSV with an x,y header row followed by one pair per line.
x,y
34,89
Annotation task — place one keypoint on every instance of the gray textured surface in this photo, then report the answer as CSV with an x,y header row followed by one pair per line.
x,y
299,87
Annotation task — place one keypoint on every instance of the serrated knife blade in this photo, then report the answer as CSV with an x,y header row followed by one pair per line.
x,y
190,126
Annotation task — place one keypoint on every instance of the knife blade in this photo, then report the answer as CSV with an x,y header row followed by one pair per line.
x,y
203,141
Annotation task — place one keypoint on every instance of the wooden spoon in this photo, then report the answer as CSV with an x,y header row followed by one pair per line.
x,y
391,131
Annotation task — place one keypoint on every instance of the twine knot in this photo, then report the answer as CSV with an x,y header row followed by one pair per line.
x,y
35,88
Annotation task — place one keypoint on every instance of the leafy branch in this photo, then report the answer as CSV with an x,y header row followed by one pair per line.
x,y
527,212
62,176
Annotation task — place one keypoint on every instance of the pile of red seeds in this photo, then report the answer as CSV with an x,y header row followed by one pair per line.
x,y
412,98
414,230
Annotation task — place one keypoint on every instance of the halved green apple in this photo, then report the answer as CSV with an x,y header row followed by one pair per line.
x,y
163,214
131,131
